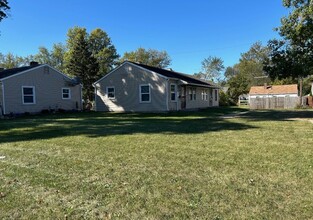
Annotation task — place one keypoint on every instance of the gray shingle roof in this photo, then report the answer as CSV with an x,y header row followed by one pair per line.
x,y
173,74
11,72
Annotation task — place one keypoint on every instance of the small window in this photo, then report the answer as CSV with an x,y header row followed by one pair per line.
x,y
111,92
204,95
144,91
194,94
173,92
66,93
28,95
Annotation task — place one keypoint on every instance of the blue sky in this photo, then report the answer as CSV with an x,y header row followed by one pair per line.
x,y
189,30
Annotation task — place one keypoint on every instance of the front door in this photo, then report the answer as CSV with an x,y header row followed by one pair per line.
x,y
211,98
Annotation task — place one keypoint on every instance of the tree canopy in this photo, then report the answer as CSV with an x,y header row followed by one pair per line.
x,y
103,51
54,58
150,57
88,56
292,56
212,68
79,60
9,60
248,72
4,7
251,64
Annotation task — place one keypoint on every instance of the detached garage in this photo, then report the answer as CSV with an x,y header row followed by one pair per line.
x,y
274,97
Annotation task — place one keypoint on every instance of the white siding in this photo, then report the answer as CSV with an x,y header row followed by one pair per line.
x,y
126,80
174,105
273,95
1,99
198,103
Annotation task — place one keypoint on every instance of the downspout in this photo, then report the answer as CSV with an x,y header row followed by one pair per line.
x,y
3,100
166,93
95,108
81,97
176,93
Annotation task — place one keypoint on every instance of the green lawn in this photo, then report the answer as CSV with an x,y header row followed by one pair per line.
x,y
190,165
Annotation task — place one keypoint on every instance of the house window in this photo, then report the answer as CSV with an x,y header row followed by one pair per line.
x,y
111,92
215,95
173,92
66,93
144,93
204,95
192,94
29,95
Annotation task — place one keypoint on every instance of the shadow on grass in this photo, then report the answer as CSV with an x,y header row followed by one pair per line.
x,y
94,124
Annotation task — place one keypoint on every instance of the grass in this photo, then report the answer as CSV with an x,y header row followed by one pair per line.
x,y
186,165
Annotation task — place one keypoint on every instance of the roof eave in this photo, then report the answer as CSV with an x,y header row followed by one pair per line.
x,y
287,93
202,85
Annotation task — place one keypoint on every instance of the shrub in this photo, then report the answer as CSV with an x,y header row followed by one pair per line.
x,y
225,99
45,111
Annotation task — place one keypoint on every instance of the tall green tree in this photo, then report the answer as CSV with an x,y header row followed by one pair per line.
x,y
150,57
238,85
43,56
251,64
103,50
58,56
248,72
10,60
4,7
230,72
89,56
54,58
80,62
292,55
212,68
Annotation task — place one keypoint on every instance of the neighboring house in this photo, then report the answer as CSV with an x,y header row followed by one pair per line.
x,y
134,87
35,88
271,97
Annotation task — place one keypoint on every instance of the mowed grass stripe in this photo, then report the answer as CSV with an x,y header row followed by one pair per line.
x,y
157,166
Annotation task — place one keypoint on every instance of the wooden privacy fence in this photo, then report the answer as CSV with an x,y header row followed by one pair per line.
x,y
274,102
